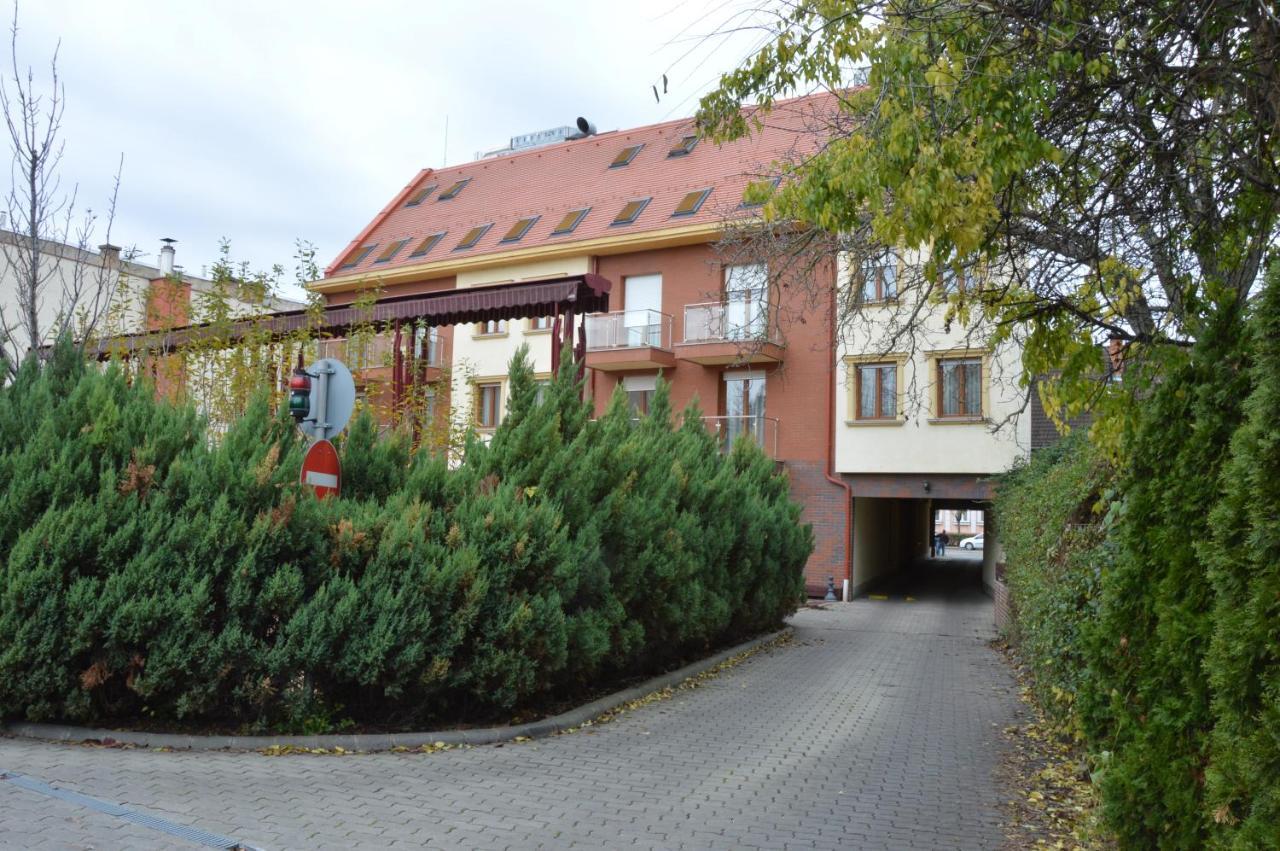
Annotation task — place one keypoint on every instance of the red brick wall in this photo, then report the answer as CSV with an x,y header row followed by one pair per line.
x,y
796,391
1003,606
168,304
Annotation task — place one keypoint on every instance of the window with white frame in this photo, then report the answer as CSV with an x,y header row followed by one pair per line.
x,y
491,328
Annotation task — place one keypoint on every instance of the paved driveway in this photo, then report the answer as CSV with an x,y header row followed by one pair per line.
x,y
878,728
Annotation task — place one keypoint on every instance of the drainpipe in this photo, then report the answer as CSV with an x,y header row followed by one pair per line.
x,y
831,446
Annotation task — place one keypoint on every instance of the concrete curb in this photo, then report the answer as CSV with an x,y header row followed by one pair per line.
x,y
387,741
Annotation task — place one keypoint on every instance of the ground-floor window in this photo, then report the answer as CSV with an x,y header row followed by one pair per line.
x,y
639,390
488,404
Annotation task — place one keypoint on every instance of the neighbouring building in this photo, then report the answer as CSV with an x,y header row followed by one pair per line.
x,y
141,296
874,440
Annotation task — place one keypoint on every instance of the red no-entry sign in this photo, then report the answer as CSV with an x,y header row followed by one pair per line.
x,y
321,470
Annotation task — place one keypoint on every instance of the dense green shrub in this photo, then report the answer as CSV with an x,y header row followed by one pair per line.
x,y
1243,663
1054,547
1148,710
151,572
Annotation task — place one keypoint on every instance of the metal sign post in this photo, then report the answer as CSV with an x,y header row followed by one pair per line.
x,y
322,398
333,398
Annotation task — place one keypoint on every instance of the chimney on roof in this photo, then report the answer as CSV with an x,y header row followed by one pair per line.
x,y
585,129
166,257
110,254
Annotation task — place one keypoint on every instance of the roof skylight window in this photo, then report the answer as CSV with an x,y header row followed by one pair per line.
x,y
427,244
691,203
631,211
758,191
571,220
684,146
473,236
421,195
354,259
519,229
625,156
452,191
392,250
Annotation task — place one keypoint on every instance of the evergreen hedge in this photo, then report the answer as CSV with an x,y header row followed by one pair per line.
x,y
1167,630
151,572
1243,555
1149,709
1055,549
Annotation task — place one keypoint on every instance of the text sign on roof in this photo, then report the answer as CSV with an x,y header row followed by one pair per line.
x,y
321,470
542,137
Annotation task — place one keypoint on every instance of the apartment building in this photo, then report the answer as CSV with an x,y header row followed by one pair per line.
x,y
641,213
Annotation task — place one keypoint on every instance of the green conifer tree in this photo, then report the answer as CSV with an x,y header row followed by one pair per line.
x,y
1243,665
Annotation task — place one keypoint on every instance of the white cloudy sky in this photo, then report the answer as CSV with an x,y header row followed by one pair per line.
x,y
265,121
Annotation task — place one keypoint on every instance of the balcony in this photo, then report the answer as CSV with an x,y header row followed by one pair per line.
x,y
629,340
365,355
763,430
737,331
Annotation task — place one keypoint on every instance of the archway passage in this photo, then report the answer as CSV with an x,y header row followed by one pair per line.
x,y
951,567
897,533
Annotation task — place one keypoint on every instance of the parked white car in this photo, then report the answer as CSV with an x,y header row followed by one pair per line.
x,y
974,543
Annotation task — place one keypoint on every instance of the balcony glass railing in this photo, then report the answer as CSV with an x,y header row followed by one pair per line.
x,y
743,317
628,329
763,430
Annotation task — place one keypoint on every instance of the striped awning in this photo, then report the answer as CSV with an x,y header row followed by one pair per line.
x,y
578,294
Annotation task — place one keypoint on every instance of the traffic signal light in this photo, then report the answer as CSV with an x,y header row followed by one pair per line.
x,y
299,395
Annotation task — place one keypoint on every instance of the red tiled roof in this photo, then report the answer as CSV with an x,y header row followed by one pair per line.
x,y
549,182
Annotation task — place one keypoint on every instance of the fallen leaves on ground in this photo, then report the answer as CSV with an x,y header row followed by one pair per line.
x,y
1050,803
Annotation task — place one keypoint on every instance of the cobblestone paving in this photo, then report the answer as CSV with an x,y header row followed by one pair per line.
x,y
878,728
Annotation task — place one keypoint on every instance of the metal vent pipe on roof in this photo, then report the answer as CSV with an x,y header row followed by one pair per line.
x,y
585,129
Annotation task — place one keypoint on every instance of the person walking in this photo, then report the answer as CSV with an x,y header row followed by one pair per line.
x,y
935,544
943,540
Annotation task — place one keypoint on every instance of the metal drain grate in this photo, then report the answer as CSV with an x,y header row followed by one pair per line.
x,y
191,834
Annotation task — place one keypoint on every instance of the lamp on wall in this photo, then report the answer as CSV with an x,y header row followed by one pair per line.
x,y
926,485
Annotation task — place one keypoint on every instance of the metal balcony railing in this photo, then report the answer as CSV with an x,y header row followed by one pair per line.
x,y
744,317
763,430
628,329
